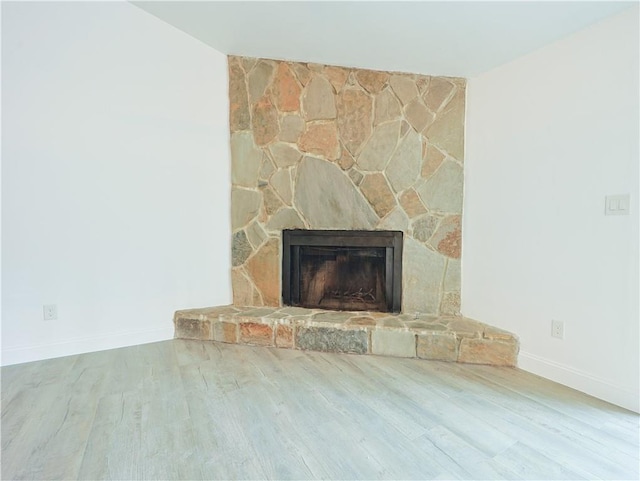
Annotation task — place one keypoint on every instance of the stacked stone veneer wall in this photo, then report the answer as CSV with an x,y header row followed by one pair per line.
x,y
324,147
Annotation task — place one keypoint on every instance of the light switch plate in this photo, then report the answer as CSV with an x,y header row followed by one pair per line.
x,y
617,204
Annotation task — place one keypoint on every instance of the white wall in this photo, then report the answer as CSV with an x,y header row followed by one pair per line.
x,y
115,177
548,136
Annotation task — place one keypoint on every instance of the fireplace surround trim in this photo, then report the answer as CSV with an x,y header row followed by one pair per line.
x,y
293,239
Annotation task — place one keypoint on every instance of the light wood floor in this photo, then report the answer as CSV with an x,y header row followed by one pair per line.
x,y
200,410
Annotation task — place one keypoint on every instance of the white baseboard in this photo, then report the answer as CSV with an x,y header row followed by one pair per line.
x,y
580,380
18,355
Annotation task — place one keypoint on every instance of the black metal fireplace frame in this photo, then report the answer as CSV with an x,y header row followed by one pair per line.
x,y
292,240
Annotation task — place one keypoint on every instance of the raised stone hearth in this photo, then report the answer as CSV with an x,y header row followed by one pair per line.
x,y
442,338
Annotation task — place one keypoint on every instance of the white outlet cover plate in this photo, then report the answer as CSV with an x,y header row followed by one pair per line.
x,y
50,312
557,329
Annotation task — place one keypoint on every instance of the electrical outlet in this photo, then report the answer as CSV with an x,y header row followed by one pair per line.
x,y
50,312
557,329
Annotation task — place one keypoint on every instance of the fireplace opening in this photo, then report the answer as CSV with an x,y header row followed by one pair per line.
x,y
342,270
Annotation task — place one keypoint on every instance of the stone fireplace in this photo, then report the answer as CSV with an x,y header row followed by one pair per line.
x,y
331,148
331,151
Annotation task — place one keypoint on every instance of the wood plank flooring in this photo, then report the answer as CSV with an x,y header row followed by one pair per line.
x,y
201,410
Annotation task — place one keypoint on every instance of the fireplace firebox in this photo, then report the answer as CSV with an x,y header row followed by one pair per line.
x,y
342,270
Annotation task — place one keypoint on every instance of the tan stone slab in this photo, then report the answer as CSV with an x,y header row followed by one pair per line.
x,y
318,100
355,176
247,62
225,332
422,272
346,160
378,149
280,318
361,321
296,311
302,72
285,336
321,139
487,351
377,191
192,329
404,128
291,126
450,303
431,160
376,314
405,164
255,234
259,78
442,192
246,160
422,82
256,333
286,90
437,93
371,80
448,319
464,327
205,312
392,322
452,277
494,333
395,220
239,117
243,288
285,219
257,313
404,87
267,169
448,237
355,110
315,67
281,183
411,203
301,320
387,107
438,347
333,316
393,343
447,131
264,121
284,155
245,206
230,318
337,76
271,201
264,269
425,326
418,115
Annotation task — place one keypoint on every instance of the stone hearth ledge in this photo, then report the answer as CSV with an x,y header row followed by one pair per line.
x,y
441,338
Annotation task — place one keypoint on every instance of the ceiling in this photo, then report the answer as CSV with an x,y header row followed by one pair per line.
x,y
453,38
